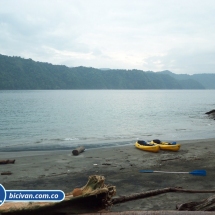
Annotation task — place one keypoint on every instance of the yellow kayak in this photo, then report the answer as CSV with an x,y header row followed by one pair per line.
x,y
142,145
167,146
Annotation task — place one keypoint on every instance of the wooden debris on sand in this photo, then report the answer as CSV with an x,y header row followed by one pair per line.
x,y
203,205
94,196
7,161
150,193
78,150
150,213
163,212
6,173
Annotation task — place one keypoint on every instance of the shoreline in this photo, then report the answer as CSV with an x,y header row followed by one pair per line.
x,y
120,165
90,146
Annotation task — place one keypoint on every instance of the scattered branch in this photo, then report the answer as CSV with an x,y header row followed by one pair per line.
x,y
147,194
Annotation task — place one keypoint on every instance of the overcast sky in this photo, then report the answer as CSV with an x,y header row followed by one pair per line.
x,y
155,35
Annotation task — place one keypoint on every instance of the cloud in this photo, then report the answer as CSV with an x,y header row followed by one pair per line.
x,y
148,35
193,62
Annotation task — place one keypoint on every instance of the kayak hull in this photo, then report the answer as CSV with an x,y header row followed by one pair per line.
x,y
174,148
168,146
150,148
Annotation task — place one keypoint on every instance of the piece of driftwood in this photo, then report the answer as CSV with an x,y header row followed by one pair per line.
x,y
203,205
170,159
95,196
78,150
7,161
146,194
6,173
160,212
92,197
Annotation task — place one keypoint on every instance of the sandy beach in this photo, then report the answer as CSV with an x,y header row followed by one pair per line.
x,y
61,170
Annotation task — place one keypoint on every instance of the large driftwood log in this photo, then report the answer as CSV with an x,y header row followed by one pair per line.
x,y
135,196
93,197
78,150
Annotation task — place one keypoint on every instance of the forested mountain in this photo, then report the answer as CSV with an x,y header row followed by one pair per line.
x,y
18,73
206,79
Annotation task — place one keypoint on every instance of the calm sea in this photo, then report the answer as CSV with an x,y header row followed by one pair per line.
x,y
62,119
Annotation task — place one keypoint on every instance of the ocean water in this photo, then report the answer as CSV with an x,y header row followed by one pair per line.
x,y
64,119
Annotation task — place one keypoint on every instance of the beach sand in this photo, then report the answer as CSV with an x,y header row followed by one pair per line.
x,y
61,170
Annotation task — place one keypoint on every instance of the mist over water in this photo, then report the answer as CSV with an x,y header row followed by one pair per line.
x,y
64,119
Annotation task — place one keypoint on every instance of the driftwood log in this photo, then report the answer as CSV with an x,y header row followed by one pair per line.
x,y
7,161
204,205
6,173
96,196
78,150
147,194
163,212
92,197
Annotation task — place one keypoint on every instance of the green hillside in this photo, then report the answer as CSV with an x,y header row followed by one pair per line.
x,y
207,80
17,73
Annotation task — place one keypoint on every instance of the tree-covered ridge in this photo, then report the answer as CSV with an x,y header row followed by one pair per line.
x,y
17,73
206,79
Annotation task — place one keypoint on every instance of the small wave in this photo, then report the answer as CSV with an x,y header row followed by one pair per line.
x,y
61,139
70,139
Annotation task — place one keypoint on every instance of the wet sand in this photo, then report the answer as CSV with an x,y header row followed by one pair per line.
x,y
61,170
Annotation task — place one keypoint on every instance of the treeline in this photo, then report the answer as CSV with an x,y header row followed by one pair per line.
x,y
206,79
17,73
